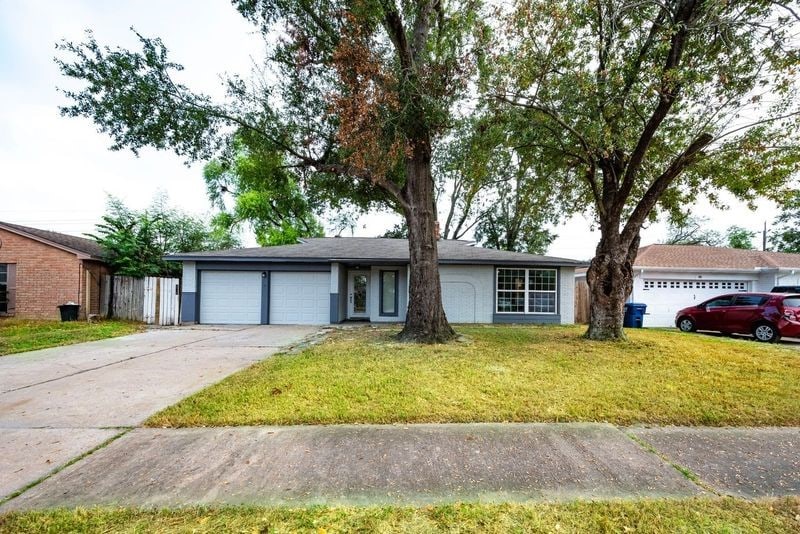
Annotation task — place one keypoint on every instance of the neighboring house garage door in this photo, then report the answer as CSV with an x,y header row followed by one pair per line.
x,y
300,298
664,298
230,297
458,299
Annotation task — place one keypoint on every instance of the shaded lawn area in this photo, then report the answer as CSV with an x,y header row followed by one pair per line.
x,y
508,373
655,516
18,335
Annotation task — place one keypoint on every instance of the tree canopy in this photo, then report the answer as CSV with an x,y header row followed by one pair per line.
x,y
786,236
645,106
265,194
739,237
137,241
353,96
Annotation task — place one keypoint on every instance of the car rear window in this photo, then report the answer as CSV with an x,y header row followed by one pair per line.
x,y
750,300
791,302
786,289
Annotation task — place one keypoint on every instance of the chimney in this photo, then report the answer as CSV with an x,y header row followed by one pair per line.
x,y
437,232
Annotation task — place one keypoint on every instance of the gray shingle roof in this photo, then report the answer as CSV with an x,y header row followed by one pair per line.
x,y
74,243
350,249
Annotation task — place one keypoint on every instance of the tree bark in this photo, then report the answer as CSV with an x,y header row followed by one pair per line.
x,y
610,279
425,320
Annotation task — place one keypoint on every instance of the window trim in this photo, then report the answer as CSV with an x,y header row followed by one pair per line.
x,y
396,310
526,291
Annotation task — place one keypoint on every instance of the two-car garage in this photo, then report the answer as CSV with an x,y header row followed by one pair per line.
x,y
264,297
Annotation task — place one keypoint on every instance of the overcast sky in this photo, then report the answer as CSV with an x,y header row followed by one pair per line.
x,y
56,172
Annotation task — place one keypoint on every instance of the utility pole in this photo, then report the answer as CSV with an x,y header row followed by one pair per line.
x,y
764,237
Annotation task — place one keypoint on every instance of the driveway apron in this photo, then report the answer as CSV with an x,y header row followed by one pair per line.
x,y
56,404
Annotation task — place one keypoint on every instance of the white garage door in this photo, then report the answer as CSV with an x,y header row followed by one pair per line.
x,y
300,298
458,299
664,298
230,297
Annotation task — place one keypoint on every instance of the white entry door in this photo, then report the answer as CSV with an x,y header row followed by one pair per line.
x,y
357,295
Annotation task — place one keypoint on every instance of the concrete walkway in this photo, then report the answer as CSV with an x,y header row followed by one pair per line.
x,y
420,464
56,404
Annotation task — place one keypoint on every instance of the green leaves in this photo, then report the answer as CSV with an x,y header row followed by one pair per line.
x,y
137,241
264,193
786,237
132,97
621,89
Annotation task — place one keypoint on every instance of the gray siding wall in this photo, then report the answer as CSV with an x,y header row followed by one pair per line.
x,y
342,293
189,293
566,295
477,278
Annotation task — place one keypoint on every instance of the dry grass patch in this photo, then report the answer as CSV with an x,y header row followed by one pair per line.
x,y
508,373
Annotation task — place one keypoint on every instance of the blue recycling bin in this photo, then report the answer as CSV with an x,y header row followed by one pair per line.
x,y
634,314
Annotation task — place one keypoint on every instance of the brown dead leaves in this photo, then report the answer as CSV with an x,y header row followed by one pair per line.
x,y
366,104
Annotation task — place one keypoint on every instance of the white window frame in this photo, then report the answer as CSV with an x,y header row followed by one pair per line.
x,y
526,292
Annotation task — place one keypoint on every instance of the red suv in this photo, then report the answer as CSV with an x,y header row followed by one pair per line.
x,y
767,316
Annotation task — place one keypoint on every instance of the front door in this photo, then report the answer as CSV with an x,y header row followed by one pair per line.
x,y
357,295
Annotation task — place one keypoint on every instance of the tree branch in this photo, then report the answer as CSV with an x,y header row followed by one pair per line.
x,y
660,184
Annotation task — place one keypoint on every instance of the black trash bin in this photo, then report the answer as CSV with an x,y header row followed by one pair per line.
x,y
69,312
634,314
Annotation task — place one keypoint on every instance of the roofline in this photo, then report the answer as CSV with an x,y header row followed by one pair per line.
x,y
717,269
80,254
754,270
243,259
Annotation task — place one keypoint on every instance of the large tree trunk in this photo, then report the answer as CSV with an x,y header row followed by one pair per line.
x,y
425,320
610,279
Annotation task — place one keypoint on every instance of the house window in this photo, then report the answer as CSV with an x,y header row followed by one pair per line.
x,y
388,289
526,291
3,288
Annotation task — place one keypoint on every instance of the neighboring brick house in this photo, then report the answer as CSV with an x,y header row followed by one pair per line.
x,y
40,270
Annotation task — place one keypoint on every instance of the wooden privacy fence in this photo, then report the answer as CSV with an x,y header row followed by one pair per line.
x,y
148,300
582,300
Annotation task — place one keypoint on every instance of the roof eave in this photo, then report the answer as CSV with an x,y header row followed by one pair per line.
x,y
80,254
245,259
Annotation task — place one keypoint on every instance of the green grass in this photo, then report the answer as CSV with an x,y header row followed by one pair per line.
x,y
17,335
654,516
505,373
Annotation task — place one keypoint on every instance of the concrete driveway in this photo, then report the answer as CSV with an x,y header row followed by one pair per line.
x,y
56,404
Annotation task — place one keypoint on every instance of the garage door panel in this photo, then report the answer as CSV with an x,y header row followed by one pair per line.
x,y
664,298
299,298
459,300
230,297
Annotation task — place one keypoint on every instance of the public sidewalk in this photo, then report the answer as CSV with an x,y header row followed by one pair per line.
x,y
422,464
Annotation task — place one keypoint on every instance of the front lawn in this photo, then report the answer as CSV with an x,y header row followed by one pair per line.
x,y
508,373
18,335
690,515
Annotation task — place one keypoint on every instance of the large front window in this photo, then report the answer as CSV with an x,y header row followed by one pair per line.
x,y
526,291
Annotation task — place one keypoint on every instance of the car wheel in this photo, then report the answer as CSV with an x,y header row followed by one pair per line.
x,y
766,333
686,324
